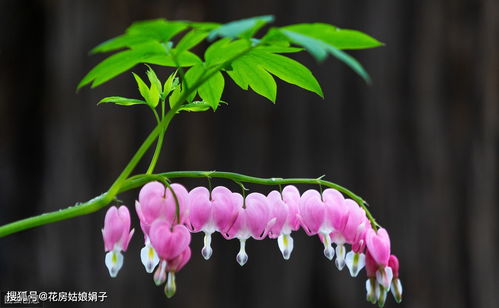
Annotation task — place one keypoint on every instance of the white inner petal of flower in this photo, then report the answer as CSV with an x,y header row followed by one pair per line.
x,y
340,256
242,256
285,243
384,277
114,262
397,290
149,257
206,251
355,262
373,290
328,247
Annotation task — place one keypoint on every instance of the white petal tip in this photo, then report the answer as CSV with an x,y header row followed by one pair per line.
x,y
149,258
206,252
242,258
114,262
355,262
285,243
396,289
329,253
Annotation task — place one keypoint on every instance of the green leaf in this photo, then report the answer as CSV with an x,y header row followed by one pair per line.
x,y
339,38
191,39
286,69
191,78
245,73
174,97
123,101
143,89
195,106
158,30
152,53
184,58
224,49
170,84
244,28
153,79
320,49
211,91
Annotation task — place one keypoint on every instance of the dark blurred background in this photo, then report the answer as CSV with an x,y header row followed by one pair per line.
x,y
420,144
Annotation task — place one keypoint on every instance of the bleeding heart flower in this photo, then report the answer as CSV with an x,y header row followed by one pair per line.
x,y
284,207
116,234
396,286
253,220
167,241
157,202
211,213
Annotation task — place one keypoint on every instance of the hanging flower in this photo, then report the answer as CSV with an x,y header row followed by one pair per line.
x,y
284,207
116,234
211,212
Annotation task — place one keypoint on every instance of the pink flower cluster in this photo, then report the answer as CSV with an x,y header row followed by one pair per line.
x,y
168,215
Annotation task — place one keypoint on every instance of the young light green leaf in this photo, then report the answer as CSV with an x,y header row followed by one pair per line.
x,y
211,91
320,49
154,95
175,96
153,79
170,84
246,73
244,28
123,101
286,69
339,38
143,88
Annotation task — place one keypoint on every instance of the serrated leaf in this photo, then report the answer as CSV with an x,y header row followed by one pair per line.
x,y
159,30
170,84
338,38
246,73
243,28
211,91
191,39
153,79
320,49
143,89
123,101
286,69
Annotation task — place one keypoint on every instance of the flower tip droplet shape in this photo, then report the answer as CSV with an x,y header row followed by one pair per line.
x,y
207,251
116,234
242,256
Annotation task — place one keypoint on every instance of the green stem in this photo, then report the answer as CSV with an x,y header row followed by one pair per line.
x,y
237,178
